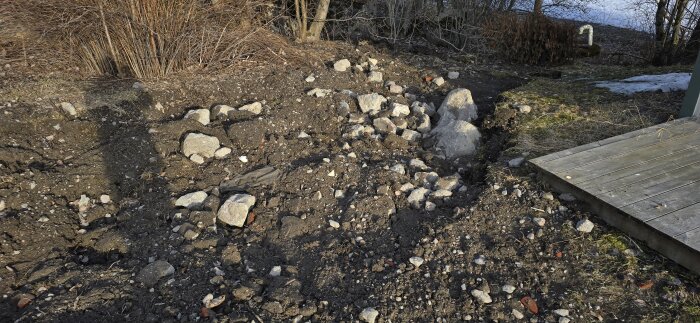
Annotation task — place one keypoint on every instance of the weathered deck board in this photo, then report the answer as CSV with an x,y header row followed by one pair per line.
x,y
646,182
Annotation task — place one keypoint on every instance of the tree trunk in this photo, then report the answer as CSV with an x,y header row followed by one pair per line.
x,y
660,37
319,20
693,46
538,7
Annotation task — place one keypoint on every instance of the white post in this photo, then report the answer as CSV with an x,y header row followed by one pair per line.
x,y
589,29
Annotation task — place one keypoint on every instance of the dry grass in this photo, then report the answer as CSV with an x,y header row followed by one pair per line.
x,y
146,38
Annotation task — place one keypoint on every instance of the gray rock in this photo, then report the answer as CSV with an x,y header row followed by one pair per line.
x,y
154,271
375,77
197,159
410,135
416,261
442,193
517,314
222,152
398,168
369,315
235,210
343,108
319,93
524,108
341,65
221,111
200,144
516,162
561,312
192,200
508,289
449,183
419,108
423,123
458,105
417,197
265,176
384,125
568,197
418,164
456,138
255,108
453,75
199,115
399,110
371,103
395,89
585,226
68,109
481,296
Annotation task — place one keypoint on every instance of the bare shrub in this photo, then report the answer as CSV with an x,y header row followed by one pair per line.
x,y
531,39
147,38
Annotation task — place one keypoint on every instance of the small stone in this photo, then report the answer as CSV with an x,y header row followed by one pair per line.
x,y
104,199
222,152
568,197
199,115
517,314
418,164
200,144
369,315
564,320
524,108
339,194
548,196
442,193
399,110
584,226
410,135
221,111
395,89
197,159
243,293
516,162
154,271
480,260
561,312
417,197
68,109
341,65
255,108
317,196
508,289
2,205
439,81
243,159
453,75
420,108
423,123
481,296
372,61
416,261
430,206
539,221
303,135
530,236
276,271
192,200
371,103
384,125
448,183
235,210
310,78
331,173
398,168
334,224
375,77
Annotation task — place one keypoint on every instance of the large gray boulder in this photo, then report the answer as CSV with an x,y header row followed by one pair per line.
x,y
456,138
458,105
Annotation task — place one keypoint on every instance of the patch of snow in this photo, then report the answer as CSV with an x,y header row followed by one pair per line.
x,y
648,83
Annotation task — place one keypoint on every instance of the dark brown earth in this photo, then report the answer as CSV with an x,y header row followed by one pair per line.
x,y
60,266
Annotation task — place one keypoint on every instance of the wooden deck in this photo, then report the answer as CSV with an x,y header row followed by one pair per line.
x,y
646,183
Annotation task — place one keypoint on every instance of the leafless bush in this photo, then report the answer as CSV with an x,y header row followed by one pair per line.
x,y
147,38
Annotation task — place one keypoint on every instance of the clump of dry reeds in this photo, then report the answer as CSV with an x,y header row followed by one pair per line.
x,y
147,38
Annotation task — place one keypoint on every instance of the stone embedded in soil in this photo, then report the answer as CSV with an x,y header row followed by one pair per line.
x,y
398,168
68,109
564,320
371,103
197,159
154,271
375,77
243,293
221,111
199,115
416,261
568,197
548,196
395,89
369,315
230,255
456,138
442,193
341,65
508,289
430,206
417,197
276,271
2,205
458,105
585,226
235,210
334,224
104,199
310,78
192,200
453,75
222,152
481,296
384,125
399,110
319,93
522,108
448,183
480,260
418,164
561,312
517,314
255,108
423,124
516,162
200,144
439,81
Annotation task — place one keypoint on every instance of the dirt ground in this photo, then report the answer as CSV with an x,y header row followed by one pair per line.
x,y
64,263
